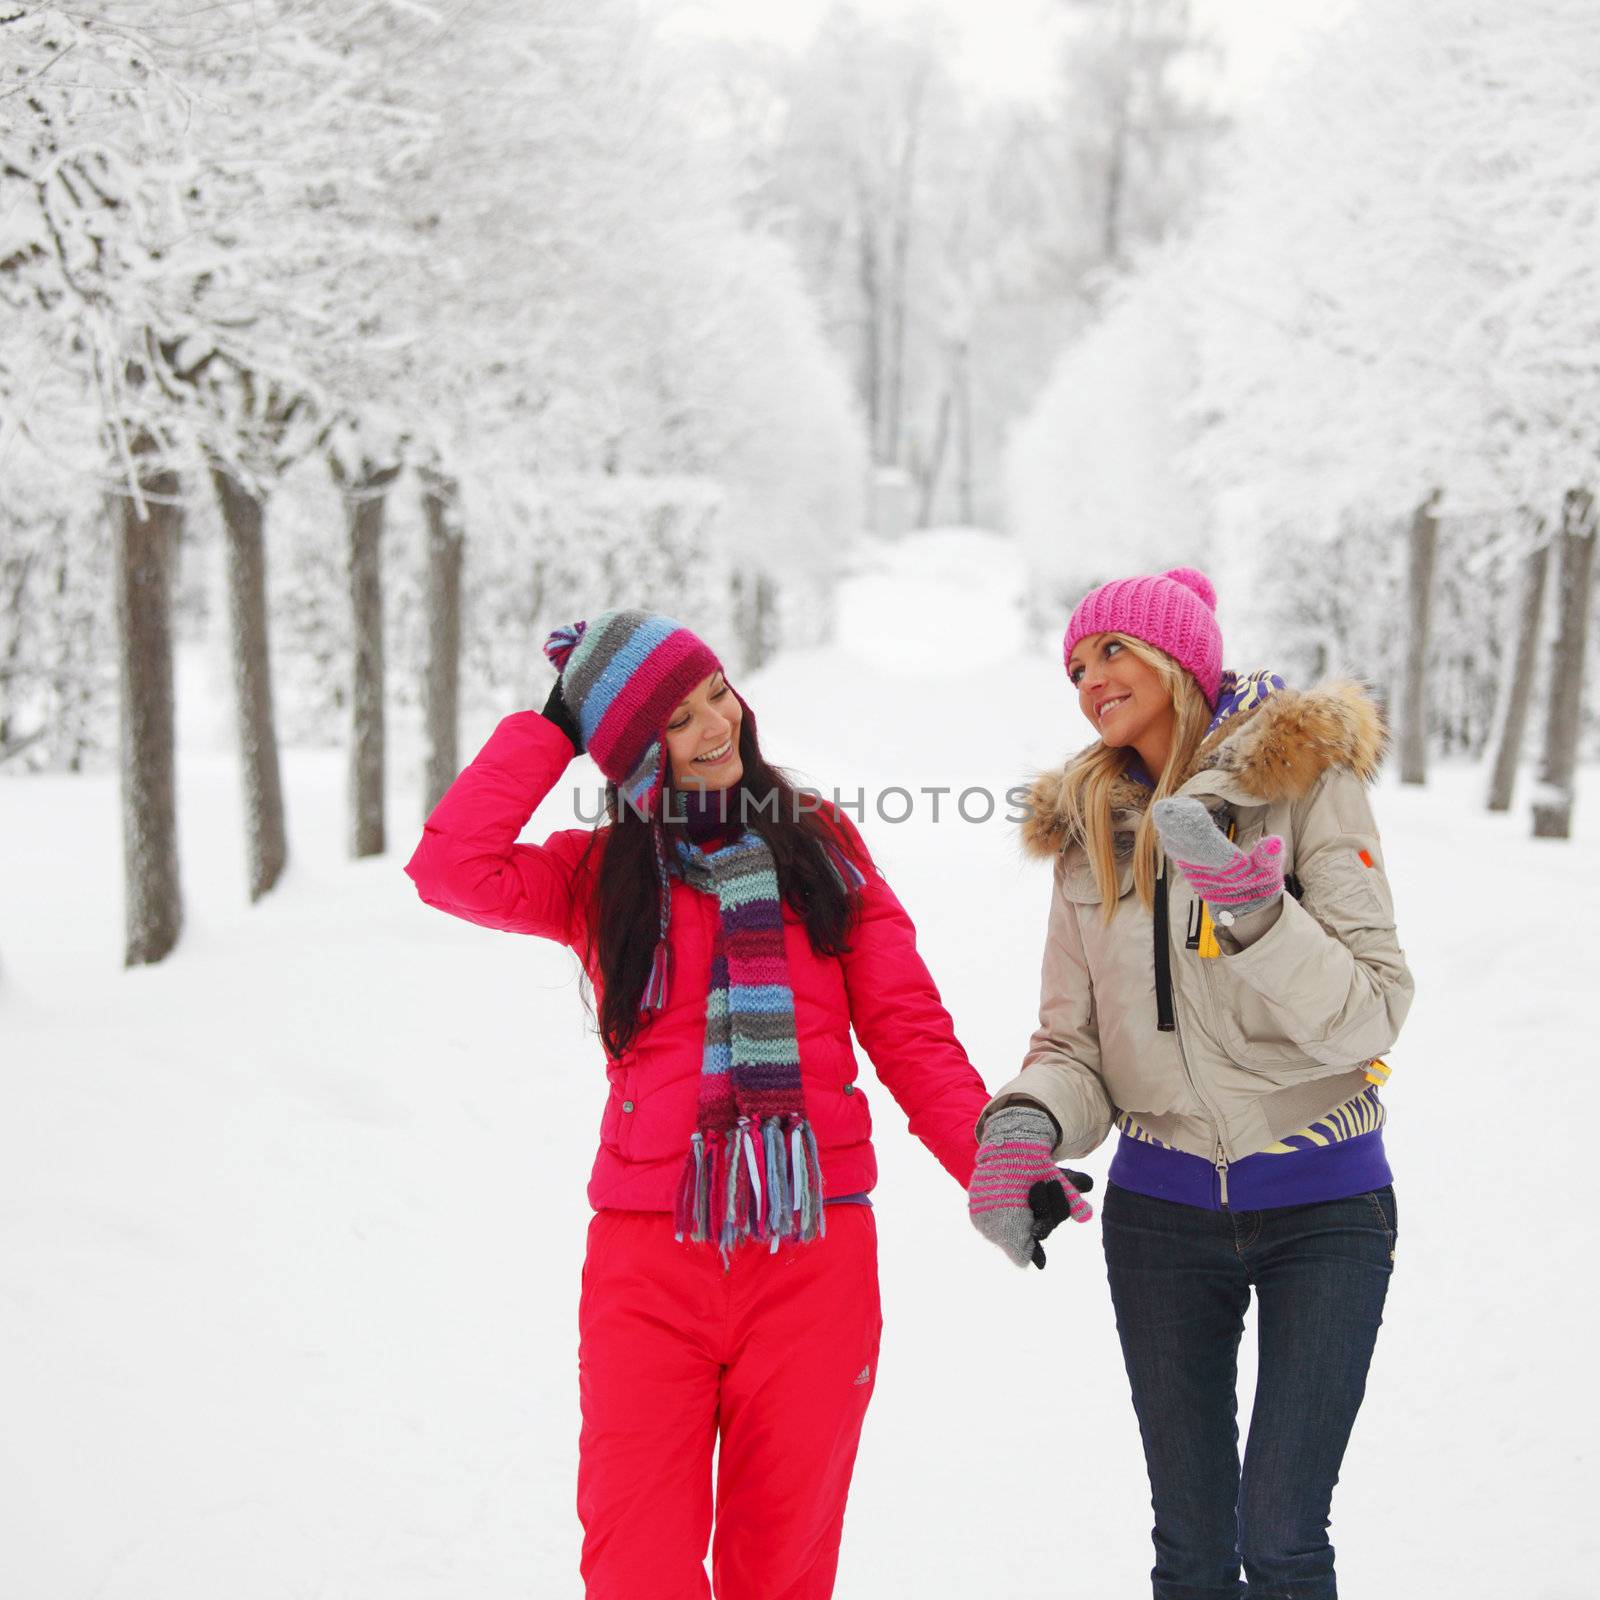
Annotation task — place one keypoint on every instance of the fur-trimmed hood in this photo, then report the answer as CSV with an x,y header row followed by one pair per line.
x,y
1275,751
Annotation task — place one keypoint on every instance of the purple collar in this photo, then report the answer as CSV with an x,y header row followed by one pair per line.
x,y
1240,692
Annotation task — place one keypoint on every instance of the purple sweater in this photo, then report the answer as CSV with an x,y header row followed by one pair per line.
x,y
1338,1155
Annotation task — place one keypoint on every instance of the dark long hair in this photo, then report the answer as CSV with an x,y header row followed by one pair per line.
x,y
627,907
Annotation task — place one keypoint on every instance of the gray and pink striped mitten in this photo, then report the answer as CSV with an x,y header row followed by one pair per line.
x,y
1018,1194
1222,874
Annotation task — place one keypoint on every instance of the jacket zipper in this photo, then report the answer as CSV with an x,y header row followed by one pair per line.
x,y
1168,1022
1220,1161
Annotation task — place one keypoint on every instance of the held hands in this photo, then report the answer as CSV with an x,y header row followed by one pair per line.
x,y
1018,1195
1218,871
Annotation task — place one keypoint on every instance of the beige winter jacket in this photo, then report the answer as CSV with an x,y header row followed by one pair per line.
x,y
1268,1036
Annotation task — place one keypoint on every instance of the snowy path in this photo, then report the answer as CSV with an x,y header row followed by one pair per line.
x,y
290,1227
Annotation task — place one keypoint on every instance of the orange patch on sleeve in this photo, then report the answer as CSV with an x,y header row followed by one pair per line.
x,y
1366,860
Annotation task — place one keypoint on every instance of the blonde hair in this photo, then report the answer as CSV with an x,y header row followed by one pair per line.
x,y
1088,782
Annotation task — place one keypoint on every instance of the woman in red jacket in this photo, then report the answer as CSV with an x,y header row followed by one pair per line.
x,y
733,935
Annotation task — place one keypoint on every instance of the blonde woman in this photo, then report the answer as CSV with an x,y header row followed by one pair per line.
x,y
1221,978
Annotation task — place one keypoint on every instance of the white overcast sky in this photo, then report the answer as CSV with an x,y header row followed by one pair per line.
x,y
1004,45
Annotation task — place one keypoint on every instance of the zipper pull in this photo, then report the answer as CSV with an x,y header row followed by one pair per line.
x,y
1221,1164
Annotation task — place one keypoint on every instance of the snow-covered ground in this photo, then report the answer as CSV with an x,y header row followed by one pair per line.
x,y
290,1226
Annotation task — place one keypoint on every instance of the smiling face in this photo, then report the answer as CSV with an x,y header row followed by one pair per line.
x,y
1122,696
703,737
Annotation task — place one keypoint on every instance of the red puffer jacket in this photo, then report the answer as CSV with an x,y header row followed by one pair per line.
x,y
470,864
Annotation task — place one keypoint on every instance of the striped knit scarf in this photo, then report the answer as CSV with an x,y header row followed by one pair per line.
x,y
752,1171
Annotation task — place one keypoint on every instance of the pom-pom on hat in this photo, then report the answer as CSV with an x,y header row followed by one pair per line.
x,y
1175,611
621,676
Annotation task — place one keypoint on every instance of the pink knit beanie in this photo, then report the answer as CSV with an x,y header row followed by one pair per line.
x,y
1175,611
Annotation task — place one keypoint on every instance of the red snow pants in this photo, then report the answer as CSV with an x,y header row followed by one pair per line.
x,y
769,1361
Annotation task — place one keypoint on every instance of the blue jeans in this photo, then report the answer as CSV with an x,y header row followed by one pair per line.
x,y
1180,1282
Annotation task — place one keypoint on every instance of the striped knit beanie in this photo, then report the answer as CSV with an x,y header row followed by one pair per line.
x,y
1175,611
622,675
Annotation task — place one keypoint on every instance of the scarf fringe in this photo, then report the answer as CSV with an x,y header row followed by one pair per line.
x,y
758,1181
849,874
747,1175
655,988
654,997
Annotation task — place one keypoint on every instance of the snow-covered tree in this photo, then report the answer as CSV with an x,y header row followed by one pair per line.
x,y
1552,807
1401,286
93,160
1306,267
170,247
621,318
487,242
314,286
1095,481
1525,615
954,244
1140,123
1388,309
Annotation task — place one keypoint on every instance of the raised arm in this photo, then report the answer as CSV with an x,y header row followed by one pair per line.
x,y
469,862
1331,969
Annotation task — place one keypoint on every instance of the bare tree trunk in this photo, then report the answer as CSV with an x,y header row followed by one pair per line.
x,y
965,497
1121,133
365,494
754,609
266,841
11,662
146,552
766,619
871,280
1116,178
70,687
1552,808
441,700
894,377
1517,690
929,471
1423,548
894,385
741,625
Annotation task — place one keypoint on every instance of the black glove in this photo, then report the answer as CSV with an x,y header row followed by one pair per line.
x,y
1049,1203
555,710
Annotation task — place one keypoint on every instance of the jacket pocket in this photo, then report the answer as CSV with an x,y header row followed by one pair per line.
x,y
614,1121
848,1119
1250,1033
1077,880
836,1104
